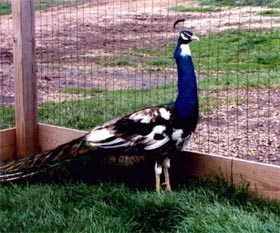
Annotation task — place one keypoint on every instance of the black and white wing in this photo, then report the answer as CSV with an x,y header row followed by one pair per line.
x,y
149,129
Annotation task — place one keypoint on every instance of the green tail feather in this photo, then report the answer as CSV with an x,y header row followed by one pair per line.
x,y
40,163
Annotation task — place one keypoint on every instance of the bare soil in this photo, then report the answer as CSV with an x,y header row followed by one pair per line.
x,y
73,40
250,130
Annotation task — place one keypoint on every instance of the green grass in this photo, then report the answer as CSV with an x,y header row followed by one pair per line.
x,y
205,206
181,8
267,3
237,51
104,106
7,119
241,81
82,91
101,106
270,13
118,62
159,62
5,8
248,51
44,5
227,51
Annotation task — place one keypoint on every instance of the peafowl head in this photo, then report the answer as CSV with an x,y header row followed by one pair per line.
x,y
187,36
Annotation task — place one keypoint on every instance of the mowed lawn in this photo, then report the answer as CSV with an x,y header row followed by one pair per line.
x,y
202,206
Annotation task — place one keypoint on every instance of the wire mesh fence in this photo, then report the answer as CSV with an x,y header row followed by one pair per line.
x,y
97,60
6,67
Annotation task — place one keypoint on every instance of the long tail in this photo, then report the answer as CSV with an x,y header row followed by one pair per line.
x,y
29,166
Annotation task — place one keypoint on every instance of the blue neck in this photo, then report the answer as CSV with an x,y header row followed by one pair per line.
x,y
186,104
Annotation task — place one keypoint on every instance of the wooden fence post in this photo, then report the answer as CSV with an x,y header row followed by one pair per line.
x,y
25,76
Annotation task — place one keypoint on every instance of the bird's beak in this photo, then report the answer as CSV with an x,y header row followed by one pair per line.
x,y
194,37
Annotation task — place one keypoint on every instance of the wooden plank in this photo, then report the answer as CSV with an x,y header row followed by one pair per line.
x,y
25,76
7,144
203,165
51,136
263,179
260,178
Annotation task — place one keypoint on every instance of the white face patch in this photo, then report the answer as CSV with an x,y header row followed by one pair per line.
x,y
184,37
185,50
164,113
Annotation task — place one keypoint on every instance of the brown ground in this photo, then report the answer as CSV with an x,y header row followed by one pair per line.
x,y
250,130
72,41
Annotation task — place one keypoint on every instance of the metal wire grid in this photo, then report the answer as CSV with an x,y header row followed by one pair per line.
x,y
98,60
103,57
7,118
241,124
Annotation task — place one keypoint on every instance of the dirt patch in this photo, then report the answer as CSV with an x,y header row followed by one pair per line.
x,y
250,130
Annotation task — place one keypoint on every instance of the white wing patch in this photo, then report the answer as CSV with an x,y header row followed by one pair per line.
x,y
164,113
118,142
177,136
151,142
158,129
147,116
93,139
143,116
99,134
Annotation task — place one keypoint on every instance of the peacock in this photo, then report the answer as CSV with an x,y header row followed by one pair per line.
x,y
154,131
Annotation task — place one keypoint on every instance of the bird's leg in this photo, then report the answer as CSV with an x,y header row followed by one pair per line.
x,y
158,171
188,143
166,166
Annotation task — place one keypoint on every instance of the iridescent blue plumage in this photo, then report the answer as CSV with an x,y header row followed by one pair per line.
x,y
186,104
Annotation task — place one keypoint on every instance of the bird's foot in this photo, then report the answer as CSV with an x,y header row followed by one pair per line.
x,y
167,186
158,171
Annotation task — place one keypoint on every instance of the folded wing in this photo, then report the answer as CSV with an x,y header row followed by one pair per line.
x,y
148,128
